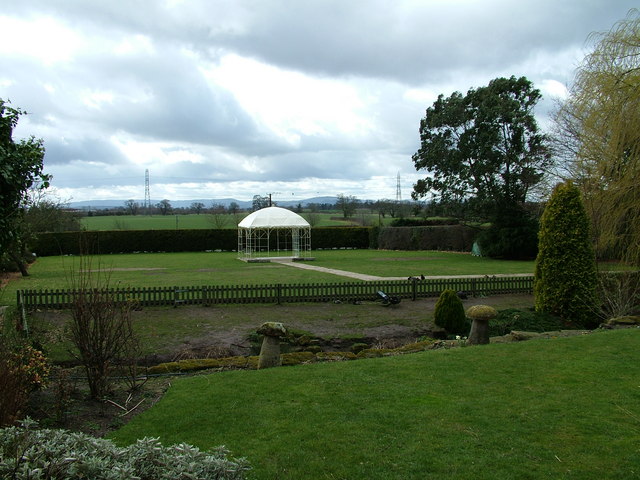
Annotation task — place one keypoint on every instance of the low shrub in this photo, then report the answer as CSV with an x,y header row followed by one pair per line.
x,y
523,320
30,453
23,369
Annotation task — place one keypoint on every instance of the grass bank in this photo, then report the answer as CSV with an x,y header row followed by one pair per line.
x,y
562,408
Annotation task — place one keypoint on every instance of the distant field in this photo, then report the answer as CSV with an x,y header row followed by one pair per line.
x,y
204,220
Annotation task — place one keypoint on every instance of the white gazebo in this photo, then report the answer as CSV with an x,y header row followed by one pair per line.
x,y
273,232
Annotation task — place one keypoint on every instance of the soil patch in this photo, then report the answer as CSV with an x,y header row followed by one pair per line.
x,y
6,277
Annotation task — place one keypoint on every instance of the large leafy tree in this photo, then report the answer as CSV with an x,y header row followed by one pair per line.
x,y
484,145
598,131
484,148
21,165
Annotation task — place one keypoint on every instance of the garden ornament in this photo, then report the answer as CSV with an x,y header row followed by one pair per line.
x,y
270,350
480,316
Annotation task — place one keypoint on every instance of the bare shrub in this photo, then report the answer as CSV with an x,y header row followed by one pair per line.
x,y
101,327
619,294
195,353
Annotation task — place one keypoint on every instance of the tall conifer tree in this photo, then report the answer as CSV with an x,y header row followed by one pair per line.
x,y
565,272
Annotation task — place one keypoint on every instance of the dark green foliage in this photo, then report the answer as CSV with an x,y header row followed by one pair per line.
x,y
21,166
484,148
565,272
128,241
484,144
449,314
524,320
457,238
513,235
423,222
339,237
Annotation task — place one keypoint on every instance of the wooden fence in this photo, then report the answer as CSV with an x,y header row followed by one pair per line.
x,y
284,293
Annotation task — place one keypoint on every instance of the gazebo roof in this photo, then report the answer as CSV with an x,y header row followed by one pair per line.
x,y
273,217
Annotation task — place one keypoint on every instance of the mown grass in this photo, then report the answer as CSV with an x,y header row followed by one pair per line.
x,y
388,263
223,268
162,269
562,408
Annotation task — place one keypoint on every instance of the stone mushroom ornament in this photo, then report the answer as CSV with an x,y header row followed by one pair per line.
x,y
480,316
270,350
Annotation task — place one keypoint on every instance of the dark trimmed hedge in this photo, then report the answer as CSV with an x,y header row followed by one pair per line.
x,y
128,241
451,237
339,237
423,222
458,238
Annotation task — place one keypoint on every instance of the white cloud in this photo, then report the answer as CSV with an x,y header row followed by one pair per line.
x,y
554,88
289,103
43,38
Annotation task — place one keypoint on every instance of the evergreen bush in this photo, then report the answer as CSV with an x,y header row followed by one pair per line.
x,y
449,314
29,453
565,271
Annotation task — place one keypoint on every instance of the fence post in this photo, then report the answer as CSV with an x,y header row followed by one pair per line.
x,y
278,292
24,327
414,288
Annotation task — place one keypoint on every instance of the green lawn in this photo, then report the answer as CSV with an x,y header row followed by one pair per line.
x,y
223,268
563,408
387,263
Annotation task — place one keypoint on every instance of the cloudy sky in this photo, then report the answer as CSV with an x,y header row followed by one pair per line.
x,y
235,98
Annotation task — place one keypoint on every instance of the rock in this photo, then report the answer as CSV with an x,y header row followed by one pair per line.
x,y
522,336
626,320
